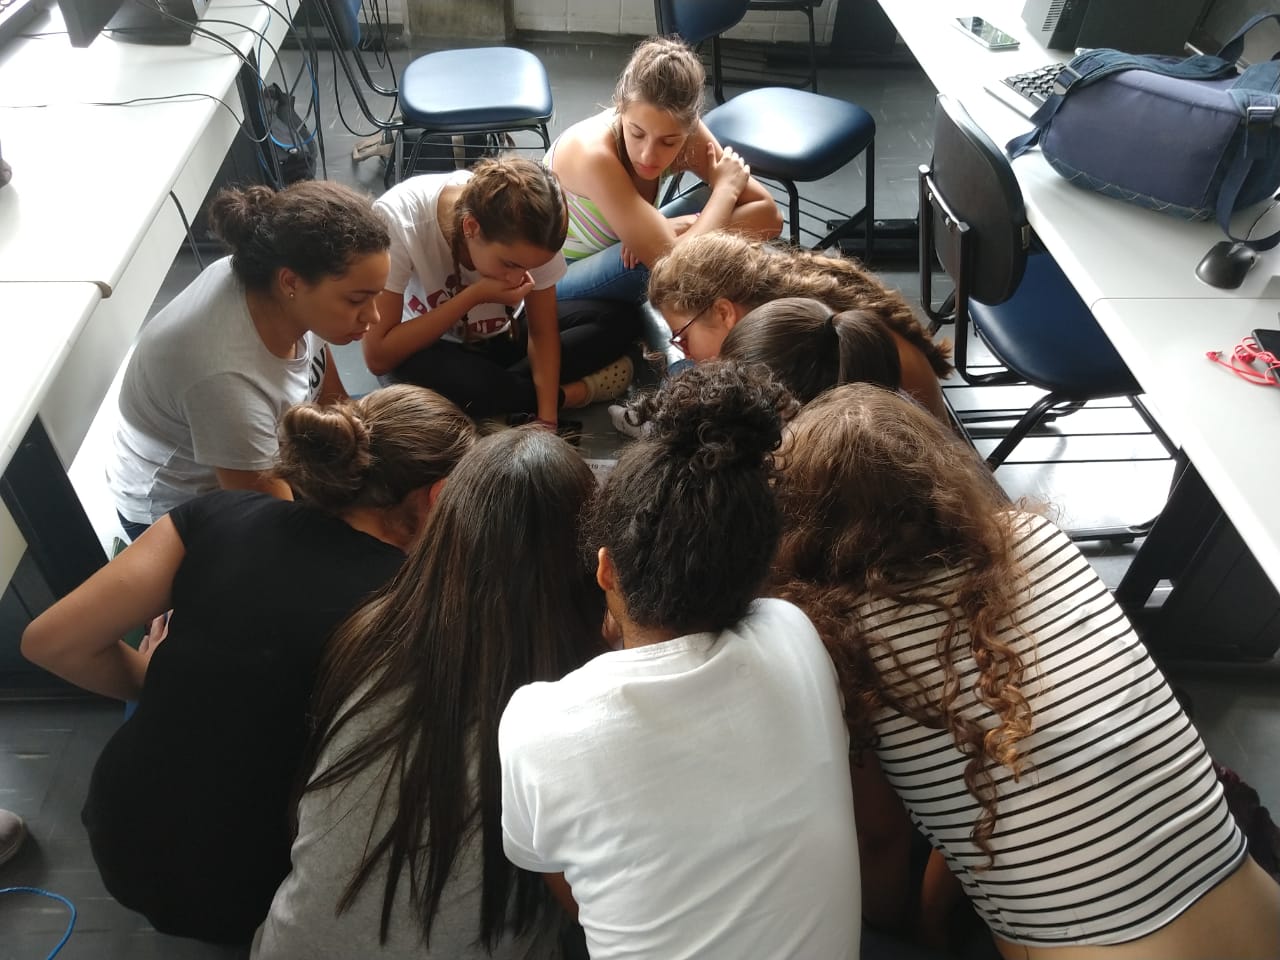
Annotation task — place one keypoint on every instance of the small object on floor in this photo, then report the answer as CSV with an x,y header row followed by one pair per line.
x,y
12,832
618,414
377,145
611,382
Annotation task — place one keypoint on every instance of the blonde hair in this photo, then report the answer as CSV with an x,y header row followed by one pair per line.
x,y
664,73
703,269
373,451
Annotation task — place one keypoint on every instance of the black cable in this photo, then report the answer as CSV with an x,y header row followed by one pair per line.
x,y
191,237
136,100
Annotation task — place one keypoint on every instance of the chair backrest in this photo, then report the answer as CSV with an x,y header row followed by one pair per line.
x,y
697,20
973,180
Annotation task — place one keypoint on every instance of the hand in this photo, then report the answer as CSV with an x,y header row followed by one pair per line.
x,y
157,630
729,172
681,225
629,259
491,290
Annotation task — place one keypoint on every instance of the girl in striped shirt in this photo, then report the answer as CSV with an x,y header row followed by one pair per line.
x,y
997,695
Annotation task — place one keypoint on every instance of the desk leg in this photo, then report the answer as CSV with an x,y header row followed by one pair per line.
x,y
36,490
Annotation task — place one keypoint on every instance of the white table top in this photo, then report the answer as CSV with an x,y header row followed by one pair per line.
x,y
47,318
87,179
1135,269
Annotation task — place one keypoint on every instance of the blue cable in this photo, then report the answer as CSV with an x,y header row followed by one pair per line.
x,y
315,87
55,896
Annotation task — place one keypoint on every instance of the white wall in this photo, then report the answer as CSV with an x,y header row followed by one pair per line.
x,y
636,17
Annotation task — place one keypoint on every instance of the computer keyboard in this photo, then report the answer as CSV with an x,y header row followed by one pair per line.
x,y
15,15
1026,92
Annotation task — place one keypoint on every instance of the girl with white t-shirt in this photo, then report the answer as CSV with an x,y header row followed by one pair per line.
x,y
214,370
688,794
995,691
469,308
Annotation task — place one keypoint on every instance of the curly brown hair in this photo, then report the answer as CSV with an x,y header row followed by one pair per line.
x,y
877,497
700,270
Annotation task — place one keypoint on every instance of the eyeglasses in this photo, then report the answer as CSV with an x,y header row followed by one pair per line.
x,y
677,338
1242,362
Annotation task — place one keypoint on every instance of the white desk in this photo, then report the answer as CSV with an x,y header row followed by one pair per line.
x,y
87,227
1135,270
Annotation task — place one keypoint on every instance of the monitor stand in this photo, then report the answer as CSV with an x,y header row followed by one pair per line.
x,y
139,21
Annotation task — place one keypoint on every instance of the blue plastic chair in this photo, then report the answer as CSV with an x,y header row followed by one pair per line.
x,y
788,136
430,98
1017,301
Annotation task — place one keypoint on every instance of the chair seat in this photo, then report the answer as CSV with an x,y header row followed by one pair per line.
x,y
792,134
1046,335
440,90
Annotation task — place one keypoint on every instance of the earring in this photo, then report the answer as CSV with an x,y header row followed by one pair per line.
x,y
291,294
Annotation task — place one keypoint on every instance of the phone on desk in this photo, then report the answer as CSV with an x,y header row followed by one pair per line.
x,y
1269,340
986,33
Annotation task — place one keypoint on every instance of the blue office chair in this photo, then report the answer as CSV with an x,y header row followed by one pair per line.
x,y
788,136
1017,301
751,78
431,101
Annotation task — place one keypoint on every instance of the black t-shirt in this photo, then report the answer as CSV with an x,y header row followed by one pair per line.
x,y
188,807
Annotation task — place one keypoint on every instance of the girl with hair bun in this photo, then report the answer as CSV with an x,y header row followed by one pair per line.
x,y
399,845
687,795
188,805
704,288
995,691
470,309
809,348
616,166
213,371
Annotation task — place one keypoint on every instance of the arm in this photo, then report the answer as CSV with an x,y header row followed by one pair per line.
x,y
544,350
253,480
918,378
78,638
560,889
884,845
754,213
331,390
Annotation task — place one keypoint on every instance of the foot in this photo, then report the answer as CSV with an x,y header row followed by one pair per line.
x,y
12,833
608,383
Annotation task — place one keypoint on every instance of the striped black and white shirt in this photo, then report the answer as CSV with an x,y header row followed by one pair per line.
x,y
1117,823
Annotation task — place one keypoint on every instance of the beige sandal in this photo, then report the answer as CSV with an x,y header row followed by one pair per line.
x,y
609,383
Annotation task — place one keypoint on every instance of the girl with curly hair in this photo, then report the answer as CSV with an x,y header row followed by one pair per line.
x,y
687,794
706,285
995,691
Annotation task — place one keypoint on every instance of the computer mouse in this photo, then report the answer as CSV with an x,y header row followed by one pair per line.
x,y
1226,264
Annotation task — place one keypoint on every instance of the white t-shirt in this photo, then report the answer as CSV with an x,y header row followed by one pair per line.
x,y
422,267
335,827
202,391
695,793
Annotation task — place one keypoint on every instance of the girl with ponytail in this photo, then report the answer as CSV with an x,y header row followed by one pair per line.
x,y
470,309
687,794
189,804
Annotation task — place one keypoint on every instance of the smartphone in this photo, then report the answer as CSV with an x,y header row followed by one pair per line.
x,y
986,33
1269,340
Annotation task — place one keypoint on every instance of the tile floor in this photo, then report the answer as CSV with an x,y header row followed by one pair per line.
x,y
47,747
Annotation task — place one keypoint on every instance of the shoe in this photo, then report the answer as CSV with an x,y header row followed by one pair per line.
x,y
377,145
622,422
12,833
609,383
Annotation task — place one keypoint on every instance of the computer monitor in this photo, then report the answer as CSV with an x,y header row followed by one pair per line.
x,y
163,22
1222,18
1136,26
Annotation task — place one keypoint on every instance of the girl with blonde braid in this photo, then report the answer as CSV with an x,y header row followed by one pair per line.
x,y
705,285
469,308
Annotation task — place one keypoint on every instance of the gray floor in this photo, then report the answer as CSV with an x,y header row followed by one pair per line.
x,y
47,748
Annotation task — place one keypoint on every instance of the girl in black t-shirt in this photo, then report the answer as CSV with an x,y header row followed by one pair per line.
x,y
188,807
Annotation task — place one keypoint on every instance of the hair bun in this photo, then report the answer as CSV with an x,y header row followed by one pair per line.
x,y
324,452
236,212
719,415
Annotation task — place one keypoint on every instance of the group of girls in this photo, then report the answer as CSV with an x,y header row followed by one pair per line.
x,y
457,701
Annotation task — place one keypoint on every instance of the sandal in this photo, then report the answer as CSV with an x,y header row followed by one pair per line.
x,y
609,383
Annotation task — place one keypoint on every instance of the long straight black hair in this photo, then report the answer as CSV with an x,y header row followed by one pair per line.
x,y
495,595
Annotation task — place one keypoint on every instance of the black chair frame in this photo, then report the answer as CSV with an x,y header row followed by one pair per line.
x,y
718,76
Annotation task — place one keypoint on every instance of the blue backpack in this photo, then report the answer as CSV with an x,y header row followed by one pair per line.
x,y
1193,137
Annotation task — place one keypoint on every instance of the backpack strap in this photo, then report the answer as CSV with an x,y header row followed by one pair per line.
x,y
1092,66
1259,111
1232,49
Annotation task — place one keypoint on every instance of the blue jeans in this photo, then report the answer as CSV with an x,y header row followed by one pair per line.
x,y
602,276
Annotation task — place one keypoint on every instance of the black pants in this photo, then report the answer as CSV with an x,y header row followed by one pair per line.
x,y
492,377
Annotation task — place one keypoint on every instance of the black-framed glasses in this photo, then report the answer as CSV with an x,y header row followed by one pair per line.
x,y
677,338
